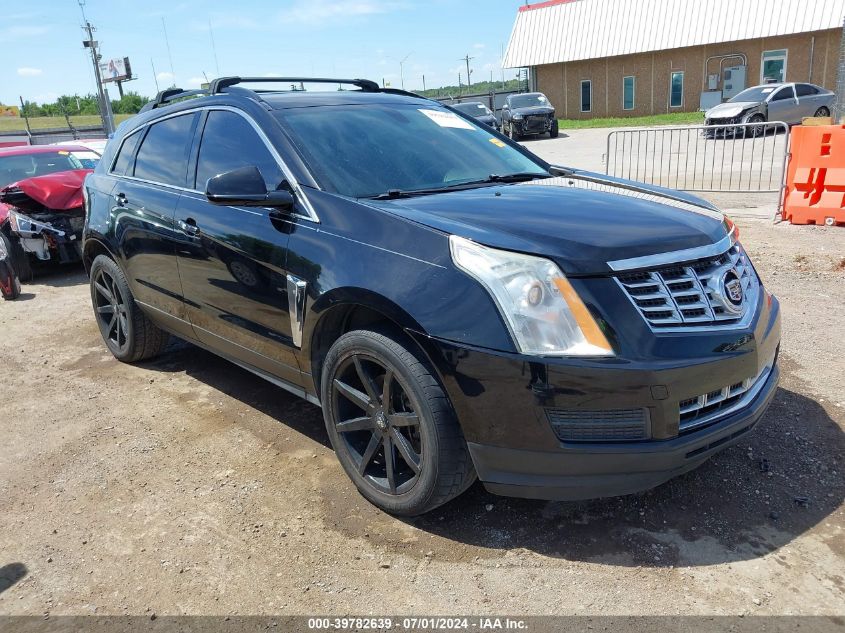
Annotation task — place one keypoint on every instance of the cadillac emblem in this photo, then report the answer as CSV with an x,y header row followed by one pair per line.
x,y
732,294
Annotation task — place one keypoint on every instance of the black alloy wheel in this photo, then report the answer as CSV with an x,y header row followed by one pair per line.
x,y
391,424
128,333
377,423
111,309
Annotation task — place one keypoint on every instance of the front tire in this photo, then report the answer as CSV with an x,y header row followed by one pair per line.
x,y
759,129
391,424
555,130
512,134
18,257
128,333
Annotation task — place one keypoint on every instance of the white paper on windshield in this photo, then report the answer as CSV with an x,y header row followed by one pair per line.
x,y
447,119
767,90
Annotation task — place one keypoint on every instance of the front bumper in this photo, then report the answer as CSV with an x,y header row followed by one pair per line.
x,y
537,124
504,403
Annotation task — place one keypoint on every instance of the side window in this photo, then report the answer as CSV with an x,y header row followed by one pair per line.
x,y
586,95
783,93
806,90
628,93
676,90
163,156
230,142
125,153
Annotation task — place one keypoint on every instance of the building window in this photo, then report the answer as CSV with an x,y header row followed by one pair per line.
x,y
586,96
773,67
676,90
629,85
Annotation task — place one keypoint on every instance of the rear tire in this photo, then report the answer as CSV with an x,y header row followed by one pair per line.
x,y
398,442
128,333
822,112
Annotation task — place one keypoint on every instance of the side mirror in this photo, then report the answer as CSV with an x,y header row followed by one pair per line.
x,y
244,187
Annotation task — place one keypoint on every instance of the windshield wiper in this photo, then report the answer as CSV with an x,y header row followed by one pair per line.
x,y
393,194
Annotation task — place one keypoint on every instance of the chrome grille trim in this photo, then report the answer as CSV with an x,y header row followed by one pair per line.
x,y
709,407
677,297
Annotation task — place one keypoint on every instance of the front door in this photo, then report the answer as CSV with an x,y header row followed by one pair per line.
x,y
783,106
232,260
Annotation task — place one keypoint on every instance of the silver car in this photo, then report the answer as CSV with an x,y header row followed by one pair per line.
x,y
787,102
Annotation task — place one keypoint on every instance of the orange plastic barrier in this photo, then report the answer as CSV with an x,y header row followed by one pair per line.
x,y
815,177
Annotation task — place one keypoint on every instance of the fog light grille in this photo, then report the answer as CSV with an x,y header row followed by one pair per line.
x,y
603,425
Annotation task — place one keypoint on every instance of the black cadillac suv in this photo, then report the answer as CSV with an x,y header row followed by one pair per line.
x,y
458,307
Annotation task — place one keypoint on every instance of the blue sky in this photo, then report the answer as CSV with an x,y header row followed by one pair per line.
x,y
43,56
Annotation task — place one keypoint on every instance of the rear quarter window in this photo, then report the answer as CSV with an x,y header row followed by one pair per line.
x,y
126,153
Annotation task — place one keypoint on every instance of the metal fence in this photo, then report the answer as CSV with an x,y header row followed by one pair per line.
x,y
741,158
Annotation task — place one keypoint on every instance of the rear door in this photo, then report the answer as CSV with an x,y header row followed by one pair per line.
x,y
145,200
233,259
783,106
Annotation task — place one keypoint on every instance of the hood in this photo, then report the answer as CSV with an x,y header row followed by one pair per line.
x,y
61,191
580,221
533,110
729,110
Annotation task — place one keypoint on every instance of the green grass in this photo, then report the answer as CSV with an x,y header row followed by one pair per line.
x,y
13,124
675,118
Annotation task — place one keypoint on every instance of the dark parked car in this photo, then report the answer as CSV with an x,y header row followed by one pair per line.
x,y
457,306
478,111
528,113
789,103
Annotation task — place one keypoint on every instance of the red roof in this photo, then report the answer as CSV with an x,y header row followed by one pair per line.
x,y
40,149
543,5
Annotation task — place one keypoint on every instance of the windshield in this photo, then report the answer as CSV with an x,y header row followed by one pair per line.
x,y
758,93
88,160
366,150
473,109
14,168
529,101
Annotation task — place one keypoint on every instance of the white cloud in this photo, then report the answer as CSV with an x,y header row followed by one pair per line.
x,y
196,82
478,46
164,76
29,72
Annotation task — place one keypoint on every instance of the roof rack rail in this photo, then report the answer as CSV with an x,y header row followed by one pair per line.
x,y
171,94
218,85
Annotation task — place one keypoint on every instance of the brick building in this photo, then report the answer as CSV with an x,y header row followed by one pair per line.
x,y
598,58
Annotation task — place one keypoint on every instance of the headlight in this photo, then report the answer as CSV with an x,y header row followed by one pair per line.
x,y
541,308
517,117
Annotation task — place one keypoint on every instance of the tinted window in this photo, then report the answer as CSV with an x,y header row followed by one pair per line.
x,y
805,90
586,96
125,153
628,86
783,93
163,156
676,90
230,142
366,150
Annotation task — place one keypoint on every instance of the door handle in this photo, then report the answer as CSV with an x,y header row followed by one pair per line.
x,y
189,227
120,199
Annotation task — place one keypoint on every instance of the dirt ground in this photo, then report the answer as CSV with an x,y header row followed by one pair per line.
x,y
188,486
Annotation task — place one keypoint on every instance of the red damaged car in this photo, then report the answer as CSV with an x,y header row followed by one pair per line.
x,y
41,206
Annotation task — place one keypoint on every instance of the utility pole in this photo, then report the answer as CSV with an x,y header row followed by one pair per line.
x,y
423,83
91,43
467,59
402,69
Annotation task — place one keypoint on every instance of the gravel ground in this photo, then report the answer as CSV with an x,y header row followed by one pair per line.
x,y
188,486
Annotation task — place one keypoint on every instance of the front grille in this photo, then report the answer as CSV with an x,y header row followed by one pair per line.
x,y
535,122
709,407
605,425
690,294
